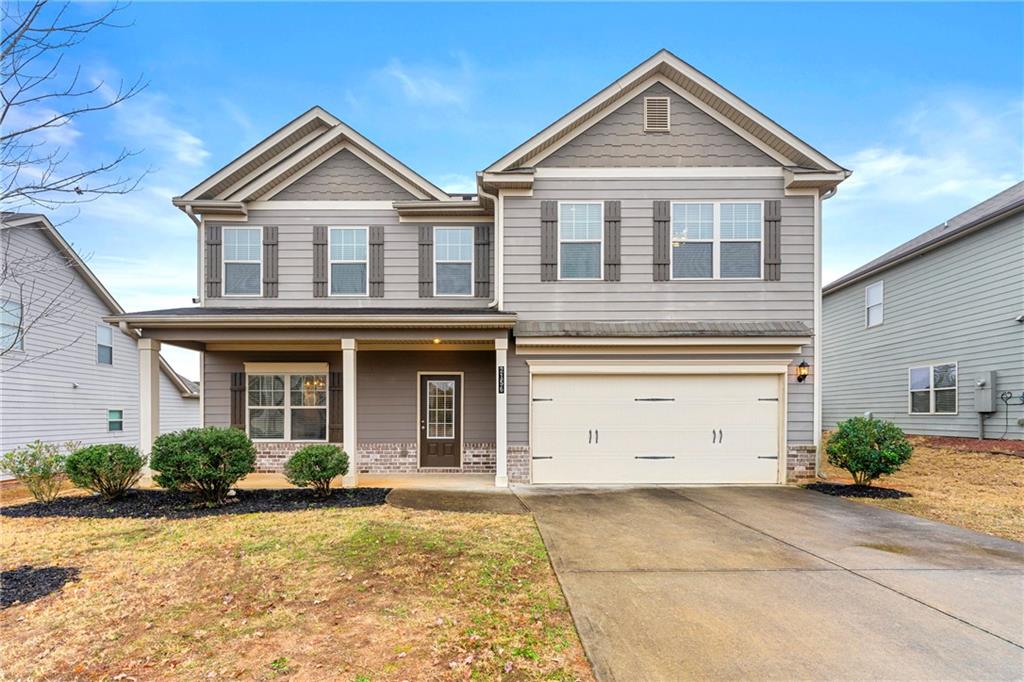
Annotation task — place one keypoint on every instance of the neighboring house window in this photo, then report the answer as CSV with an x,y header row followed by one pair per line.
x,y
873,304
580,240
115,420
287,406
348,271
933,389
716,240
11,337
453,261
243,261
104,344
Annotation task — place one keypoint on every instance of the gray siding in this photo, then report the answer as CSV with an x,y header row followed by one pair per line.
x,y
343,177
176,412
695,139
955,303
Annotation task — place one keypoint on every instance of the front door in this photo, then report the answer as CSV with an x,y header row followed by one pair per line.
x,y
440,420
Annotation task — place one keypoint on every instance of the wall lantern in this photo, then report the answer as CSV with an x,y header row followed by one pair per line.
x,y
802,370
437,341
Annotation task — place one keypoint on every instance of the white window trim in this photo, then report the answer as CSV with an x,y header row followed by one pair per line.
x,y
881,304
931,390
331,261
716,242
560,241
224,261
287,374
472,260
110,346
115,409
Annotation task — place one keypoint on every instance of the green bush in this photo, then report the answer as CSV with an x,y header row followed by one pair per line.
x,y
207,461
315,466
868,448
108,469
39,467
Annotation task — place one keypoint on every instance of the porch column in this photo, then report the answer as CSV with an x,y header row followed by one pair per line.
x,y
149,397
348,377
501,413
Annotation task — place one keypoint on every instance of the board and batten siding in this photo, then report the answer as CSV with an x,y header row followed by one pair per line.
x,y
956,303
295,262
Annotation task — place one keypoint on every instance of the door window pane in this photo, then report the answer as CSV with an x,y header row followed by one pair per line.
x,y
440,409
740,259
692,259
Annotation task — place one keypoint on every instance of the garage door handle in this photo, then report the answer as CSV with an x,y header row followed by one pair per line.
x,y
597,436
543,458
654,457
590,436
766,457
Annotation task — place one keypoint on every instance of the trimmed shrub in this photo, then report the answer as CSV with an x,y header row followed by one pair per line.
x,y
108,469
868,448
315,466
207,461
39,467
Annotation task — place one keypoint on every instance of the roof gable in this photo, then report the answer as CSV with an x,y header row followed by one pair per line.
x,y
342,176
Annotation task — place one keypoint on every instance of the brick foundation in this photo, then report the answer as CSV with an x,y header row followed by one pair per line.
x,y
270,457
800,463
403,458
518,463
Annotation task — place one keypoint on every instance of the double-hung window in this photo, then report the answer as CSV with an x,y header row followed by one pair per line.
x,y
349,272
104,344
717,240
933,389
115,420
243,261
580,240
287,407
11,336
453,261
873,304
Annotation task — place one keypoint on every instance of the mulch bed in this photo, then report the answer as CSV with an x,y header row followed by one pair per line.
x,y
28,583
995,446
145,504
850,490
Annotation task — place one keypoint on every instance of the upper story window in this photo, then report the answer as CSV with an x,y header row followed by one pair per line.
x,y
580,240
11,336
933,389
287,406
243,261
453,261
104,344
874,304
348,268
717,240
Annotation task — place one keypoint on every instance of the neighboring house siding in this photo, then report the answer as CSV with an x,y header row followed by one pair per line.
x,y
955,303
343,177
694,139
176,412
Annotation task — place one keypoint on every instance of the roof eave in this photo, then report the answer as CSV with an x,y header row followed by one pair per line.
x,y
346,321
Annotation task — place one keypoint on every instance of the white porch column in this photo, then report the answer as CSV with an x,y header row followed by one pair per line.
x,y
149,396
501,413
348,377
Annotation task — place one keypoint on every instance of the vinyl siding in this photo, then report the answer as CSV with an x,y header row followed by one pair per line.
x,y
176,412
956,303
343,177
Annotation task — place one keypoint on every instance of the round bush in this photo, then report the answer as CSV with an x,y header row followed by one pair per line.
x,y
39,467
315,466
108,469
206,461
868,448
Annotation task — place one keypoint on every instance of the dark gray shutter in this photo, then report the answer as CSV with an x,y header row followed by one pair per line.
x,y
238,400
773,240
482,260
662,241
213,261
320,261
376,261
612,240
335,408
270,261
548,241
426,261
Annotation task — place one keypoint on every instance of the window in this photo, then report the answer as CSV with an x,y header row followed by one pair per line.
x,y
349,270
873,306
656,119
243,261
580,240
716,240
299,415
115,420
11,336
933,389
440,409
104,344
453,261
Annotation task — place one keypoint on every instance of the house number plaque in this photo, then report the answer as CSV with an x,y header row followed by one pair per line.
x,y
501,379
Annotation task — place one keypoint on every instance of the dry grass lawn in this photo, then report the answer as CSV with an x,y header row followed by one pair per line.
x,y
980,491
374,593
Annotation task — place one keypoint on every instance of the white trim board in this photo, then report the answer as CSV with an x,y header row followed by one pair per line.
x,y
661,172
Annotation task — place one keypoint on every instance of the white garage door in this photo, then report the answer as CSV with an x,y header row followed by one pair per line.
x,y
615,428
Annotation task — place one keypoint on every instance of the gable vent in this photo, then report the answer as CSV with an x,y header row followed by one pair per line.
x,y
656,114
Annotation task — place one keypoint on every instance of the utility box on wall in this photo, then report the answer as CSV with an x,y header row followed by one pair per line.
x,y
985,392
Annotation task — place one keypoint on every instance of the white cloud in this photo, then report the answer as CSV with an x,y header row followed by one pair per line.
x,y
62,132
433,85
458,183
145,121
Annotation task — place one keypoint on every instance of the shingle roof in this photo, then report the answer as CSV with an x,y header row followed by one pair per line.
x,y
526,328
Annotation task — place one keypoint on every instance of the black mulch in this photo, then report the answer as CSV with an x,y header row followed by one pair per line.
x,y
850,490
145,504
28,583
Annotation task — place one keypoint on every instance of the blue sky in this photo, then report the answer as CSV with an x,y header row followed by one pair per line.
x,y
922,101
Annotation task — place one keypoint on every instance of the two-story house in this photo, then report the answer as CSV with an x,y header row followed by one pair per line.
x,y
631,296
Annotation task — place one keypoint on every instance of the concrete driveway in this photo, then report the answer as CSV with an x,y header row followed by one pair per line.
x,y
779,583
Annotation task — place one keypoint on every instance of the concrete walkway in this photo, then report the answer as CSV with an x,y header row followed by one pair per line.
x,y
779,583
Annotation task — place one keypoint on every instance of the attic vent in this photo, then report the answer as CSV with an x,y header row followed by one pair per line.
x,y
655,114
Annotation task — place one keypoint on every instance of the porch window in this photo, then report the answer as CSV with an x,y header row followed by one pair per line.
x,y
301,415
243,261
453,261
348,271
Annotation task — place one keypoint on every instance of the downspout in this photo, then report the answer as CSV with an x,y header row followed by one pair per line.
x,y
819,238
499,245
199,251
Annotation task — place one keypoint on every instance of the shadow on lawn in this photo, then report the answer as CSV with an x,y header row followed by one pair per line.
x,y
851,490
28,583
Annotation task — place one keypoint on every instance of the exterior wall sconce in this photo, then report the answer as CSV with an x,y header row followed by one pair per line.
x,y
802,370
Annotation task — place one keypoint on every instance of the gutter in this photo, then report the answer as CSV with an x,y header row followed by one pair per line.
x,y
316,321
499,242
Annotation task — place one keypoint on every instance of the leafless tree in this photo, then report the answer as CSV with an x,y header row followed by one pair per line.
x,y
41,93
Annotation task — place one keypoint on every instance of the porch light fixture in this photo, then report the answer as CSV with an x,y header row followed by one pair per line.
x,y
437,341
802,370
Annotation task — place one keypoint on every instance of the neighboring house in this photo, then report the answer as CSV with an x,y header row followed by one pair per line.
x,y
908,336
631,296
68,375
